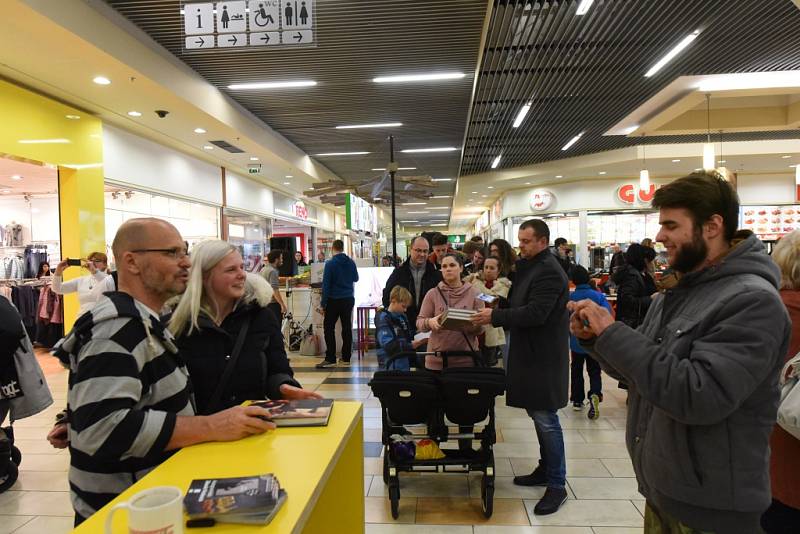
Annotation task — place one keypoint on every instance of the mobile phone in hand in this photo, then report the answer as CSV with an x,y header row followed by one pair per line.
x,y
75,262
489,299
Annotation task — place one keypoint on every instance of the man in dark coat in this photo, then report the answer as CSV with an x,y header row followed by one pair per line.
x,y
417,275
537,368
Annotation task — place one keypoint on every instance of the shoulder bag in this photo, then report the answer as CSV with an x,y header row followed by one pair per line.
x,y
213,406
789,407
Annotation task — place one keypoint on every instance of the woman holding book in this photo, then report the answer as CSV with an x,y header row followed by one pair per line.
x,y
231,341
451,293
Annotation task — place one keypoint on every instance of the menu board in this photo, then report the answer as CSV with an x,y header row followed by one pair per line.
x,y
624,228
770,221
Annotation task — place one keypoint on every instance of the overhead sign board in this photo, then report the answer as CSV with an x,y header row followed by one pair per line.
x,y
541,199
245,23
630,193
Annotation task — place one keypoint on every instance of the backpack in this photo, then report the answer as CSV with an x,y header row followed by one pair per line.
x,y
789,407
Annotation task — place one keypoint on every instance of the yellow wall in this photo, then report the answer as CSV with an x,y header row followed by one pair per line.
x,y
27,115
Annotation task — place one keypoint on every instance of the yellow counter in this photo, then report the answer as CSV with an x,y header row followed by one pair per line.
x,y
321,468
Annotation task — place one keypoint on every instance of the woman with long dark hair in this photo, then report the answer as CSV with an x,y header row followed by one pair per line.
x,y
503,251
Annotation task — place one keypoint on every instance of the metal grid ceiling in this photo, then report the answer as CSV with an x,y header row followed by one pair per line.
x,y
356,41
586,73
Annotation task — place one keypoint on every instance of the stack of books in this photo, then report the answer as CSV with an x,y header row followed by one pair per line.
x,y
303,412
456,319
252,500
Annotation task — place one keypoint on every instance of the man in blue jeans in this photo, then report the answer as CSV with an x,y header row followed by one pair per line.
x,y
537,367
337,303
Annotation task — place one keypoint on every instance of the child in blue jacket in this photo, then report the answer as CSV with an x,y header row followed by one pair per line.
x,y
580,277
395,334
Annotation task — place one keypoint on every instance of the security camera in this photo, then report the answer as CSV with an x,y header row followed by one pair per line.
x,y
162,113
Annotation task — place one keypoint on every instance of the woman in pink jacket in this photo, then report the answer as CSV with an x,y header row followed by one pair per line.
x,y
452,292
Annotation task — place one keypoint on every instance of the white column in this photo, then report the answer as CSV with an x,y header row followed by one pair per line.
x,y
583,238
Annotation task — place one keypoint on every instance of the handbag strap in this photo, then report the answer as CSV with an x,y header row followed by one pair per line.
x,y
226,375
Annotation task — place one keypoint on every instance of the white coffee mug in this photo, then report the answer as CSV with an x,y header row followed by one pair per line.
x,y
156,510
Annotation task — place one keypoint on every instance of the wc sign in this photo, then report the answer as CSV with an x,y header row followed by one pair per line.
x,y
631,194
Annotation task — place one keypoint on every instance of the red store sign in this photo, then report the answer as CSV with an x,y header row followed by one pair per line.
x,y
300,210
630,193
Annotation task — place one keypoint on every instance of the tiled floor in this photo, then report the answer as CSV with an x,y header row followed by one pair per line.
x,y
602,491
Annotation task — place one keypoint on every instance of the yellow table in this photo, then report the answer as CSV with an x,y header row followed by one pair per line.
x,y
321,468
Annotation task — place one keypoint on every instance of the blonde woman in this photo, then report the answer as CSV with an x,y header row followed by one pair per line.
x,y
784,462
222,304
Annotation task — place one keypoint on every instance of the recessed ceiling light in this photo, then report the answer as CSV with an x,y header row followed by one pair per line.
x,y
527,183
698,169
583,7
786,157
483,196
288,176
474,192
442,149
376,125
287,183
16,177
559,176
444,224
415,212
676,161
342,154
414,203
271,85
602,173
490,187
253,158
405,222
722,161
44,141
521,115
101,80
677,49
134,114
199,130
208,147
441,179
73,117
572,141
433,77
496,161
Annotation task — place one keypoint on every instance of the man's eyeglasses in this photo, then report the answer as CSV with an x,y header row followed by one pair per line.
x,y
420,250
174,253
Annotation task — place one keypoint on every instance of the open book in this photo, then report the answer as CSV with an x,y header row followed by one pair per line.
x,y
254,499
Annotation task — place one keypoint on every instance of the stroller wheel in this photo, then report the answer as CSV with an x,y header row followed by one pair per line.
x,y
10,477
487,496
394,498
386,467
16,455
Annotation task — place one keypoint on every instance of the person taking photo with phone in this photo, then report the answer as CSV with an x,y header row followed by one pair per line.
x,y
96,264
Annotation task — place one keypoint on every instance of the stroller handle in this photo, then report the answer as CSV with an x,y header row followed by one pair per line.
x,y
444,354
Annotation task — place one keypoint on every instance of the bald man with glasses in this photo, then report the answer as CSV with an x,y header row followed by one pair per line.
x,y
129,405
416,274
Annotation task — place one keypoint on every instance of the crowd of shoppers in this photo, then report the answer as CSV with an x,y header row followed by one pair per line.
x,y
167,360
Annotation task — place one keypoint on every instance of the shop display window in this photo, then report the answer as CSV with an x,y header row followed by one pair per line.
x,y
250,233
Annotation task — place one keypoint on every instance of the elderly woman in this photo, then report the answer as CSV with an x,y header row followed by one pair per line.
x,y
221,322
784,465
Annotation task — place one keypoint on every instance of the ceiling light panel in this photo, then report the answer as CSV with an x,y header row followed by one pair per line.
x,y
324,154
376,125
669,56
422,150
572,141
521,114
432,77
271,85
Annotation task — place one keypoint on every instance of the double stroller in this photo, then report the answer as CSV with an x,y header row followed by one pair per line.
x,y
432,403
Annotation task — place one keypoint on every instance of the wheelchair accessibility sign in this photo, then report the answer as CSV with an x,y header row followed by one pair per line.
x,y
241,23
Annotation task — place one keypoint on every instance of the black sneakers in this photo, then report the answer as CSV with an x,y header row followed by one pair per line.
x,y
325,364
537,478
551,501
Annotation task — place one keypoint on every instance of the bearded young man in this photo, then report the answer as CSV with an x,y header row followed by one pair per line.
x,y
702,368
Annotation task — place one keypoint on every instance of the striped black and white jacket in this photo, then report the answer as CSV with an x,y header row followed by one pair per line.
x,y
127,385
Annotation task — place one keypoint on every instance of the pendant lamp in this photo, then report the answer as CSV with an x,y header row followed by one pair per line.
x,y
644,174
708,147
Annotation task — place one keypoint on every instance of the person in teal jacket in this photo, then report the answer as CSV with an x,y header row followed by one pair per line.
x,y
580,277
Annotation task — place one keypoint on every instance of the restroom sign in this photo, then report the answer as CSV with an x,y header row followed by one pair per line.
x,y
248,23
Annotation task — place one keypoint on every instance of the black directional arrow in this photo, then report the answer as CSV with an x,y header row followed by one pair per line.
x,y
233,40
299,36
200,41
265,38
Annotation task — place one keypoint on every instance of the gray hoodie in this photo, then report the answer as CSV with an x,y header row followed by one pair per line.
x,y
703,373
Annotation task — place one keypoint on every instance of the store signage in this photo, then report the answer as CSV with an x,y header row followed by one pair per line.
x,y
541,199
299,210
240,23
360,214
254,168
456,239
630,193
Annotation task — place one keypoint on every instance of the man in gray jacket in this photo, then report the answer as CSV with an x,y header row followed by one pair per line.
x,y
702,369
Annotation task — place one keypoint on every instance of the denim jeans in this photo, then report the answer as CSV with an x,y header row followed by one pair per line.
x,y
551,446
